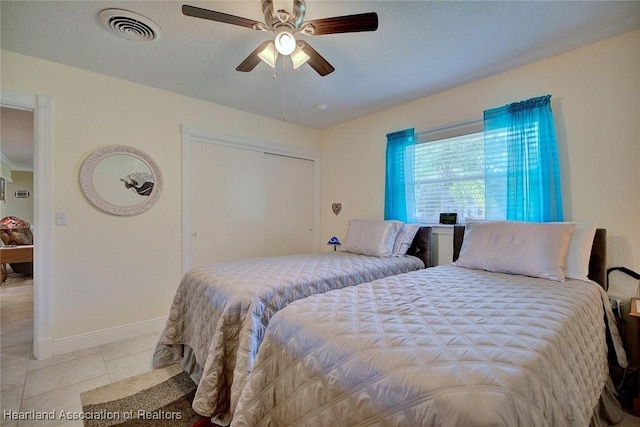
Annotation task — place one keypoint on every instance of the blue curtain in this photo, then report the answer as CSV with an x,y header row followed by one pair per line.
x,y
529,174
399,200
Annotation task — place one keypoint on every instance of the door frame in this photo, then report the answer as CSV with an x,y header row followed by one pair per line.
x,y
191,134
42,107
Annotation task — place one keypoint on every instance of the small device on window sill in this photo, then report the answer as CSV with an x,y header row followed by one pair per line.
x,y
448,218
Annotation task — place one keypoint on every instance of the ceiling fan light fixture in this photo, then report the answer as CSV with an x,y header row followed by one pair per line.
x,y
285,43
298,57
285,26
269,55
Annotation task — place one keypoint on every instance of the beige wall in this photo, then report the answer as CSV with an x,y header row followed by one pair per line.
x,y
595,101
110,271
5,174
20,207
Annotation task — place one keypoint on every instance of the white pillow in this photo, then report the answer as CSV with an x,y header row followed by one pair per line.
x,y
371,237
579,252
404,239
533,249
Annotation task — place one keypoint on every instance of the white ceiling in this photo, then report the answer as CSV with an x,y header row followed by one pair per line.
x,y
420,48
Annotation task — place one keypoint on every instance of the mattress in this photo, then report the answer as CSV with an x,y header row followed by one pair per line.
x,y
444,346
221,311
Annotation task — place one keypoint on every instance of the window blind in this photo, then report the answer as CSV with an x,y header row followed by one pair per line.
x,y
450,177
464,170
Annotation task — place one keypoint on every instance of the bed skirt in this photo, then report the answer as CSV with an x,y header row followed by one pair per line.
x,y
189,364
608,411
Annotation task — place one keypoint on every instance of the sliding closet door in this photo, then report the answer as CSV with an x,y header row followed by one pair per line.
x,y
243,201
288,209
227,192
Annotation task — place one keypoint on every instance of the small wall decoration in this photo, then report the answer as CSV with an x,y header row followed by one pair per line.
x,y
336,208
121,180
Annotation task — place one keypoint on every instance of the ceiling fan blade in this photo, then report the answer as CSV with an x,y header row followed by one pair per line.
x,y
316,61
297,16
253,59
212,15
344,24
267,10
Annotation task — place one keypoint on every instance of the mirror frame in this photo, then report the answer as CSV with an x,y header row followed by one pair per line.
x,y
90,192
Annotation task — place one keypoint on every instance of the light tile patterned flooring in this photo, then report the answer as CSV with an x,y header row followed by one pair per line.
x,y
56,383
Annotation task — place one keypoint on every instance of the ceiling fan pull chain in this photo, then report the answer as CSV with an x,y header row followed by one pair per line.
x,y
275,64
284,91
284,104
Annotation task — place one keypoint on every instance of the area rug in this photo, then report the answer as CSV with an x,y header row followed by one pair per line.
x,y
629,421
161,397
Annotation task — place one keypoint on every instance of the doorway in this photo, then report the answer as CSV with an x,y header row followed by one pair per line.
x,y
16,168
42,110
16,289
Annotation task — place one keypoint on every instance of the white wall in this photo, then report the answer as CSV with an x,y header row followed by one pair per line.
x,y
20,207
595,101
110,271
5,173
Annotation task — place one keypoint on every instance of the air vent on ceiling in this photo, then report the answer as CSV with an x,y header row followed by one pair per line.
x,y
129,25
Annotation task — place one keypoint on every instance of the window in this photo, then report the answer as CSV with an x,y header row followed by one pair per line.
x,y
450,168
504,167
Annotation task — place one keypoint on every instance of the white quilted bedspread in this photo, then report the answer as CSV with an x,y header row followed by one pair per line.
x,y
221,312
445,346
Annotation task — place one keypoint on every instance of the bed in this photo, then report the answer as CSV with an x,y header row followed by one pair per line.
x,y
448,346
220,311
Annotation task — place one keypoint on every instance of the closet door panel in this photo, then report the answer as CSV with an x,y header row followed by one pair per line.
x,y
227,203
288,212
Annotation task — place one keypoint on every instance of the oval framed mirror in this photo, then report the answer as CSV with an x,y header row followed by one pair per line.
x,y
121,180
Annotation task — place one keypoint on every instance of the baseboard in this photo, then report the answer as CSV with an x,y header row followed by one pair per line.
x,y
109,335
43,349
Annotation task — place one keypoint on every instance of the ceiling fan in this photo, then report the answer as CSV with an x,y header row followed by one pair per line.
x,y
286,26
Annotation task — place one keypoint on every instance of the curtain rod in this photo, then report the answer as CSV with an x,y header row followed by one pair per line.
x,y
450,126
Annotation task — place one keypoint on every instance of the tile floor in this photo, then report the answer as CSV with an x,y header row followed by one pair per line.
x,y
56,383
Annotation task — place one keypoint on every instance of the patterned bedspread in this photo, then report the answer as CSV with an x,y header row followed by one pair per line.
x,y
221,312
445,346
